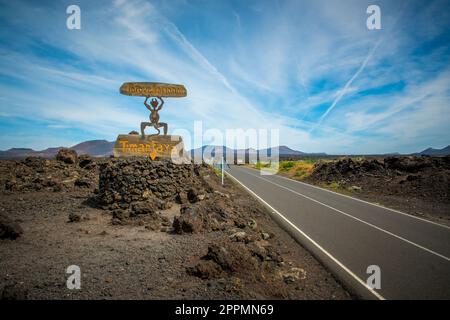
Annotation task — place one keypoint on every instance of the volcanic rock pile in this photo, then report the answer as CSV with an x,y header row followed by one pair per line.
x,y
123,182
9,229
136,190
347,168
141,190
67,172
419,177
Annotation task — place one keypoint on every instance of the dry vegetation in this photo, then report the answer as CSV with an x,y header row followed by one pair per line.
x,y
298,169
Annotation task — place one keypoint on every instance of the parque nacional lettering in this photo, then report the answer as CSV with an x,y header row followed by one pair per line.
x,y
153,89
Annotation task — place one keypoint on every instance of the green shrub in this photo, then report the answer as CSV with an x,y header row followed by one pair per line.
x,y
286,165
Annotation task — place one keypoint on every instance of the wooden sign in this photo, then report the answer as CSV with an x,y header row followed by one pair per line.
x,y
153,89
162,147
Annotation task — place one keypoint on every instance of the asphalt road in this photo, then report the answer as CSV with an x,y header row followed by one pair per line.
x,y
413,254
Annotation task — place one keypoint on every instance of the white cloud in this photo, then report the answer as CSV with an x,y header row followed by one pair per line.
x,y
280,69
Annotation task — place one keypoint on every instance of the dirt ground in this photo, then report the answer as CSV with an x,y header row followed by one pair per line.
x,y
60,226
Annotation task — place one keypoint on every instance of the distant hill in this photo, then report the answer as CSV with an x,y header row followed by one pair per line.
x,y
21,153
16,153
285,151
282,151
103,148
95,148
218,151
211,149
435,152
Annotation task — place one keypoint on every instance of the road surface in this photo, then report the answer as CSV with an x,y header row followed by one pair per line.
x,y
349,235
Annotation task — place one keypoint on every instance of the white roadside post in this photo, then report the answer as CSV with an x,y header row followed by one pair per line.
x,y
222,170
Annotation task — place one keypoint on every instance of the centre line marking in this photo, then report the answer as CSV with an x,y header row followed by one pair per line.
x,y
357,219
329,255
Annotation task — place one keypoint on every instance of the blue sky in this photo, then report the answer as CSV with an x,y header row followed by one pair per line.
x,y
308,68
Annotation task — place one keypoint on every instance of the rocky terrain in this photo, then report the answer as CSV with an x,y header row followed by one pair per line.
x,y
144,230
417,185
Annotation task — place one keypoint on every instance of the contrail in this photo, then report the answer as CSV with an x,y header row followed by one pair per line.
x,y
178,36
347,85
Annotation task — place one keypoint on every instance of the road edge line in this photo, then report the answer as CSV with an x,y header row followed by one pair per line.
x,y
358,219
361,200
350,280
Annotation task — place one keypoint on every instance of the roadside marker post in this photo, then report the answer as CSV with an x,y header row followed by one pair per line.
x,y
222,170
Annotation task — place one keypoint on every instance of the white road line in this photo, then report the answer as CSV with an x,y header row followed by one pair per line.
x,y
360,200
357,219
329,255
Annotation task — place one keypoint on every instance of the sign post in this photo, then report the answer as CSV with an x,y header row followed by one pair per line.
x,y
222,169
155,145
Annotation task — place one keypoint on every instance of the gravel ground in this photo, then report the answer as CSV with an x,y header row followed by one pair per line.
x,y
133,261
